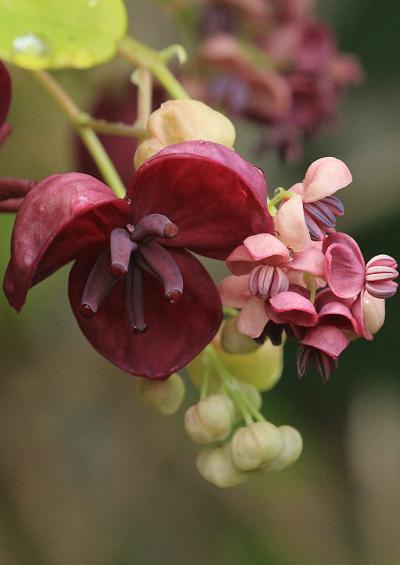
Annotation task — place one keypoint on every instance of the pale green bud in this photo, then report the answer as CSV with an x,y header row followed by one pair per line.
x,y
255,444
183,120
216,466
292,448
164,396
210,420
374,312
232,341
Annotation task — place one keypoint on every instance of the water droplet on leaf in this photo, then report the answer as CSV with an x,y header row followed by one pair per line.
x,y
30,50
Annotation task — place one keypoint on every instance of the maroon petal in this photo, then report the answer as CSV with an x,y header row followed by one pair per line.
x,y
59,218
211,193
344,266
5,100
176,332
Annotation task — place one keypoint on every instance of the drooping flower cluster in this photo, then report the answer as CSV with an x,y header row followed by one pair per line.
x,y
309,281
273,62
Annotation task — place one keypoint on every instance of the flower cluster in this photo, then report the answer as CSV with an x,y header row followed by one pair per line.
x,y
309,281
273,62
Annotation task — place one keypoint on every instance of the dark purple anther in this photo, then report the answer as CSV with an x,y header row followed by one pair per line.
x,y
132,252
322,362
154,225
121,248
267,280
163,264
134,298
99,283
321,216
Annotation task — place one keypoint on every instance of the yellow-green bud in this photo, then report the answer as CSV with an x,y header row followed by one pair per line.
x,y
374,311
262,368
210,420
255,444
183,120
216,466
292,448
232,341
164,396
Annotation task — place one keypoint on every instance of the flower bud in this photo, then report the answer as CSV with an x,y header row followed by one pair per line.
x,y
183,120
164,396
232,341
210,420
216,466
262,368
292,448
255,444
374,312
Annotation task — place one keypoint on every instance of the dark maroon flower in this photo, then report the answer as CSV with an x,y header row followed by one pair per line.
x,y
196,195
5,100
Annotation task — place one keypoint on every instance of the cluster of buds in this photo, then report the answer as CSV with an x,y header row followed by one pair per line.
x,y
275,63
306,280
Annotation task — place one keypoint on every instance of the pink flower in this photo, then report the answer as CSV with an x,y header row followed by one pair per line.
x,y
349,276
310,213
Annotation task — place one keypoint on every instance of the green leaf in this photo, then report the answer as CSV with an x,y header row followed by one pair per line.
x,y
53,34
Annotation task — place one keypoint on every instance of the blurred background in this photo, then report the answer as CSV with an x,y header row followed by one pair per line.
x,y
90,476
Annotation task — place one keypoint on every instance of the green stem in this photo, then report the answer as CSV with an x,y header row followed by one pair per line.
x,y
142,56
231,384
113,128
79,120
281,194
144,81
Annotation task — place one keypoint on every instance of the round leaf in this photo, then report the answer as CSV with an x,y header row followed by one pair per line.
x,y
49,34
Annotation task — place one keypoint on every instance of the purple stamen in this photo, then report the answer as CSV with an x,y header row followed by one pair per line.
x,y
322,362
267,280
154,225
321,216
98,285
121,248
134,298
163,264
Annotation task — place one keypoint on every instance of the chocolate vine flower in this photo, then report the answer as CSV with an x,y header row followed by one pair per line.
x,y
5,100
140,298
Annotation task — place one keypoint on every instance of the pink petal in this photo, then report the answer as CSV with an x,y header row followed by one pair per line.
x,y
58,219
324,177
293,308
311,260
176,332
240,262
266,248
328,339
211,193
338,314
344,267
234,291
252,318
290,224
